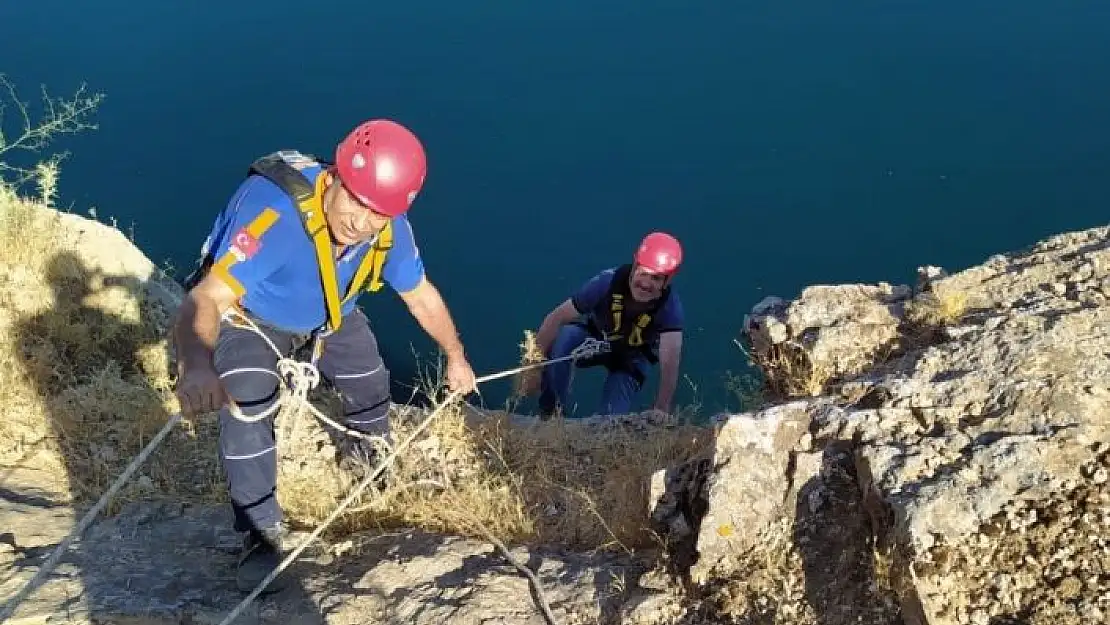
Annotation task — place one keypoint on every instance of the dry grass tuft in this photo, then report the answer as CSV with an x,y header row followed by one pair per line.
x,y
438,482
789,372
86,368
583,486
588,485
525,383
930,312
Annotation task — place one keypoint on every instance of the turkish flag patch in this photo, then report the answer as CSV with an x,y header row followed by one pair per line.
x,y
244,245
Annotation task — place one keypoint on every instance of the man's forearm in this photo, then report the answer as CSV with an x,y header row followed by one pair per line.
x,y
549,328
546,333
430,311
668,382
195,332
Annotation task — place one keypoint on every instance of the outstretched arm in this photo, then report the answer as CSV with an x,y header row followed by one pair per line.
x,y
585,298
561,315
241,262
670,355
428,308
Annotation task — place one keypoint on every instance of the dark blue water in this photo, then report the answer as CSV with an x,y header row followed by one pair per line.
x,y
784,143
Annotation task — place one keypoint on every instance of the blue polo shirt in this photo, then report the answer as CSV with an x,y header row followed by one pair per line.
x,y
262,251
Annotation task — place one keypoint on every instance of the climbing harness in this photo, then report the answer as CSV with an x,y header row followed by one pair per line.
x,y
624,333
283,169
301,377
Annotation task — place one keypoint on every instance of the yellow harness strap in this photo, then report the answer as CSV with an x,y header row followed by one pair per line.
x,y
371,266
309,199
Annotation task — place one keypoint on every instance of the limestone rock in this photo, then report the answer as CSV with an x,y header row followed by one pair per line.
x,y
985,439
942,456
106,250
751,485
828,333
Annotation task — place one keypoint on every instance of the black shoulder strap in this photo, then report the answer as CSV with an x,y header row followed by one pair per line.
x,y
280,168
619,284
277,168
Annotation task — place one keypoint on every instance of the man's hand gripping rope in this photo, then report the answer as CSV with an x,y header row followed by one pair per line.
x,y
302,378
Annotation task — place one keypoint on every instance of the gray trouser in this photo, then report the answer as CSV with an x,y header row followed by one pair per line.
x,y
247,366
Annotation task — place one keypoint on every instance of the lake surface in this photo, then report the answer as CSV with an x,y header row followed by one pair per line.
x,y
785,144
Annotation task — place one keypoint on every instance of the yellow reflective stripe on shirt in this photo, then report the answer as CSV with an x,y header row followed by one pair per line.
x,y
256,228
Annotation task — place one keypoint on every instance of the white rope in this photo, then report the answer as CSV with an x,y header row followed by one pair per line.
x,y
588,348
52,561
302,377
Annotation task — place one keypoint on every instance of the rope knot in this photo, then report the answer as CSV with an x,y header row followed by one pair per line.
x,y
301,377
589,348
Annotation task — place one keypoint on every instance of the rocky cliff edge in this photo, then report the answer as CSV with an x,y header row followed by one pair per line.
x,y
934,453
938,451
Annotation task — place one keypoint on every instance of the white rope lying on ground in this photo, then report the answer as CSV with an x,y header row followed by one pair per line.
x,y
52,561
303,378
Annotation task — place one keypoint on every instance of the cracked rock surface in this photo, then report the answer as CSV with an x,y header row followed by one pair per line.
x,y
971,412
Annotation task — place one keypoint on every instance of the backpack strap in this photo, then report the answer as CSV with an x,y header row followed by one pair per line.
x,y
282,169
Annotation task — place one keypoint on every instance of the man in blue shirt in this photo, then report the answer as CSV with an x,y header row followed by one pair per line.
x,y
635,309
295,246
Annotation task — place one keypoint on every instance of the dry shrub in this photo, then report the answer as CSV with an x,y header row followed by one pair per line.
x,y
587,484
436,483
789,372
928,314
580,485
526,382
86,379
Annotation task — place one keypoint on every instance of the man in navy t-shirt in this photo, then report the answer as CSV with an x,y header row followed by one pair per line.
x,y
295,246
636,311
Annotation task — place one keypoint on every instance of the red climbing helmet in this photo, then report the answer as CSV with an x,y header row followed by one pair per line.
x,y
659,252
383,164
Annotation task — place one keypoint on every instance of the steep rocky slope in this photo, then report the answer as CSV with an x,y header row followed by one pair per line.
x,y
957,429
931,454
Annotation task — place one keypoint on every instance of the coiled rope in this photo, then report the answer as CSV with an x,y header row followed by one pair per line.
x,y
301,377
